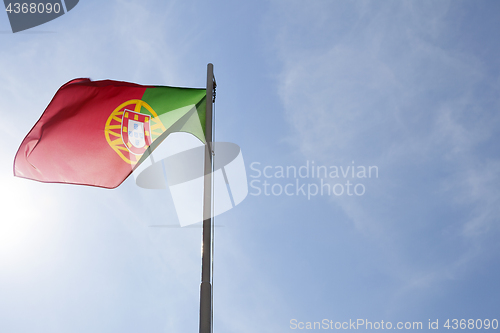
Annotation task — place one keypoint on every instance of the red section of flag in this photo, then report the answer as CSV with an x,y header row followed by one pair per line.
x,y
68,143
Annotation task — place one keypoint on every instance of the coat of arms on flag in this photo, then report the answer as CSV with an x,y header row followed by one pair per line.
x,y
129,132
136,133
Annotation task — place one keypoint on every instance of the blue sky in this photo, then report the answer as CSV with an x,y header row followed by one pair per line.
x,y
411,87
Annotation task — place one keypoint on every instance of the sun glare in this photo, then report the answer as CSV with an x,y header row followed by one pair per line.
x,y
23,209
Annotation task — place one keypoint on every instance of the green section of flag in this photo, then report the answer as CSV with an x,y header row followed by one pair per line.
x,y
179,110
170,103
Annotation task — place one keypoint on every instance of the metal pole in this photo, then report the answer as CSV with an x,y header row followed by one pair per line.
x,y
206,287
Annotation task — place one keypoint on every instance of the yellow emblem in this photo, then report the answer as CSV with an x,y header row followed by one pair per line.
x,y
118,135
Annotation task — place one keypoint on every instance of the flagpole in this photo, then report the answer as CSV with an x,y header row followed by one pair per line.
x,y
206,287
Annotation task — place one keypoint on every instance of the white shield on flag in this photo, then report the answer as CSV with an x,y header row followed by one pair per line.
x,y
136,132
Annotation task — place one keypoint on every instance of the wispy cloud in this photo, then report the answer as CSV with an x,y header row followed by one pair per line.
x,y
385,85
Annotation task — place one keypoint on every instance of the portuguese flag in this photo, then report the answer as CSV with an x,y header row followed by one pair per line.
x,y
97,132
